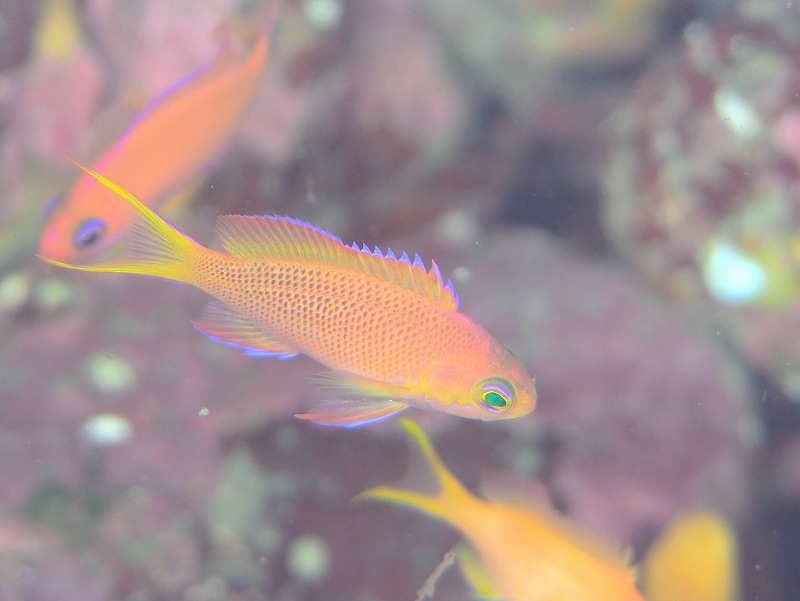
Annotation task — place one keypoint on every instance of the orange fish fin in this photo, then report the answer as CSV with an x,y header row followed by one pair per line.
x,y
229,327
358,401
352,413
450,493
349,386
287,238
475,573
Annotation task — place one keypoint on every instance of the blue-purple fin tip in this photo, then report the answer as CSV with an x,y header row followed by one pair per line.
x,y
248,351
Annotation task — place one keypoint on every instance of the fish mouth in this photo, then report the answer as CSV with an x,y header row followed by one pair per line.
x,y
50,249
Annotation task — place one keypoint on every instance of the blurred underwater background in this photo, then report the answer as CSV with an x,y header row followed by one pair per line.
x,y
613,188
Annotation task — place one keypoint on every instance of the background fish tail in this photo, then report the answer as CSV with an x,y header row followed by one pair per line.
x,y
449,493
150,246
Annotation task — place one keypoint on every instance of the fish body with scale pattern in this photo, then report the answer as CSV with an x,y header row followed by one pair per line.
x,y
387,327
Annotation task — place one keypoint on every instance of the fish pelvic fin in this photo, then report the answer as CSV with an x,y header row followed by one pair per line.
x,y
451,494
228,326
150,246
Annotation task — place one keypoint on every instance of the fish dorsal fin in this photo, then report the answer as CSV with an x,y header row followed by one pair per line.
x,y
530,499
605,551
287,238
613,555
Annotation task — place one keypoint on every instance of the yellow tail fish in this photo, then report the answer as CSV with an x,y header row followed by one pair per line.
x,y
516,552
387,327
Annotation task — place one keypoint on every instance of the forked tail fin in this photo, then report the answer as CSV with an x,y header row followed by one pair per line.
x,y
150,246
440,504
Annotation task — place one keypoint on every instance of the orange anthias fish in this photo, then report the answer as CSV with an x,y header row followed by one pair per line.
x,y
173,137
387,326
516,552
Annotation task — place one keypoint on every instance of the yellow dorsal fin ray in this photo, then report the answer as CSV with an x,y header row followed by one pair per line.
x,y
287,238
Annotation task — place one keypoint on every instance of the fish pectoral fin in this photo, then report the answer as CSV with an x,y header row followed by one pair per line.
x,y
357,401
229,327
344,385
352,413
475,573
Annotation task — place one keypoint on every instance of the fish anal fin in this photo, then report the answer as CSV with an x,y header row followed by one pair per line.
x,y
288,238
229,327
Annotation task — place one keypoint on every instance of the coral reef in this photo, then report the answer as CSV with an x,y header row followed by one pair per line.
x,y
141,461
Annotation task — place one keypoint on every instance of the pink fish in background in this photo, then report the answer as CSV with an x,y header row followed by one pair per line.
x,y
387,327
167,144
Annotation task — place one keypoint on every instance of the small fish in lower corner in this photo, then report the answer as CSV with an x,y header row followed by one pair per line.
x,y
515,550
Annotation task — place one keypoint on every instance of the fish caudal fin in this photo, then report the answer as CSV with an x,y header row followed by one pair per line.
x,y
450,495
150,246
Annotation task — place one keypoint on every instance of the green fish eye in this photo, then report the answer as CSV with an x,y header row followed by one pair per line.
x,y
495,394
495,399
